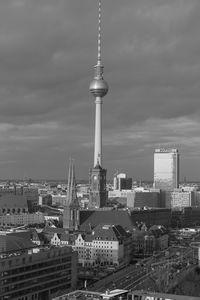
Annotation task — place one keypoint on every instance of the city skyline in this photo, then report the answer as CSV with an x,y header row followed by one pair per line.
x,y
47,49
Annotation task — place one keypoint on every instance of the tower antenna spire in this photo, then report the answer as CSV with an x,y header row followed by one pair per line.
x,y
99,35
98,88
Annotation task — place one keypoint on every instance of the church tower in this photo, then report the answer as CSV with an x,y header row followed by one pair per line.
x,y
98,88
71,213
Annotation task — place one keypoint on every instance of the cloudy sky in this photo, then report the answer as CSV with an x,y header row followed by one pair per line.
x,y
151,54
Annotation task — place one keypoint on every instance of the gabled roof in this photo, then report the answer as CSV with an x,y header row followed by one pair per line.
x,y
13,201
64,236
109,232
49,229
91,218
14,243
88,237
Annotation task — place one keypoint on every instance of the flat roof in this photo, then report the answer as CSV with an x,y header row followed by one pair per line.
x,y
109,294
84,294
163,295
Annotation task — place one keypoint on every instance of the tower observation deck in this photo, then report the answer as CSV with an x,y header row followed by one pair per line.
x,y
98,88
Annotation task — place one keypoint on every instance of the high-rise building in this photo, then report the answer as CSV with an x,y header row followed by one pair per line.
x,y
166,169
71,207
98,88
121,182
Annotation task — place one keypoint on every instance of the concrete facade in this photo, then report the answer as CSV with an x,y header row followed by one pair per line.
x,y
37,273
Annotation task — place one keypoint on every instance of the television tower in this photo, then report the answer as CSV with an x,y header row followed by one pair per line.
x,y
98,88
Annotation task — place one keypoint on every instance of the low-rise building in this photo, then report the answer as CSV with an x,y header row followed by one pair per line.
x,y
185,216
161,237
144,243
152,216
105,245
21,219
179,198
147,241
59,200
142,294
143,198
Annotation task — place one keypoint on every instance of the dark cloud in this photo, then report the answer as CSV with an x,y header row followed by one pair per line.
x,y
151,53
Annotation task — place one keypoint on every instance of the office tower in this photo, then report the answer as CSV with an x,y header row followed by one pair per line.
x,y
121,182
71,208
166,169
98,88
35,273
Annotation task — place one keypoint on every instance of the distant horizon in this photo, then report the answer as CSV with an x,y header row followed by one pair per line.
x,y
35,180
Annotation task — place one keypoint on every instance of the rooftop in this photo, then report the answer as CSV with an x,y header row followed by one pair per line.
x,y
84,295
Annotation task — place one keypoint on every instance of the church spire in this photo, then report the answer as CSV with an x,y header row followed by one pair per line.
x,y
71,186
71,207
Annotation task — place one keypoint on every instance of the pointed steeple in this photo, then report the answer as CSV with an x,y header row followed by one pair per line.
x,y
71,187
71,208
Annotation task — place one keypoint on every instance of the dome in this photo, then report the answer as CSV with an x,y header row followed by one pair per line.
x,y
99,87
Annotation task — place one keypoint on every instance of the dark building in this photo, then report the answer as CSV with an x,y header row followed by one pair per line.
x,y
98,194
127,219
91,218
71,207
185,216
152,216
36,273
126,183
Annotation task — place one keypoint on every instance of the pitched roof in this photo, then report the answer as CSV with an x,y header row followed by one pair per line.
x,y
109,232
49,229
15,243
91,218
13,201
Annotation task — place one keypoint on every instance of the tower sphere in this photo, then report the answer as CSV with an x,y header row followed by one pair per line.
x,y
99,87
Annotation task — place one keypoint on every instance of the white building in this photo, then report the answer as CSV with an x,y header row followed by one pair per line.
x,y
179,198
106,245
166,169
117,181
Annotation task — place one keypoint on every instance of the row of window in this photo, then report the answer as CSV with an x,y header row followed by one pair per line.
x,y
96,247
44,286
35,266
63,269
34,282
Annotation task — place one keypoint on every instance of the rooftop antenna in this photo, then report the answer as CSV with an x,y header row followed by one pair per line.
x,y
99,36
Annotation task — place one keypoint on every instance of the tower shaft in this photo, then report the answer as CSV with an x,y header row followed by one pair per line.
x,y
98,132
98,88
